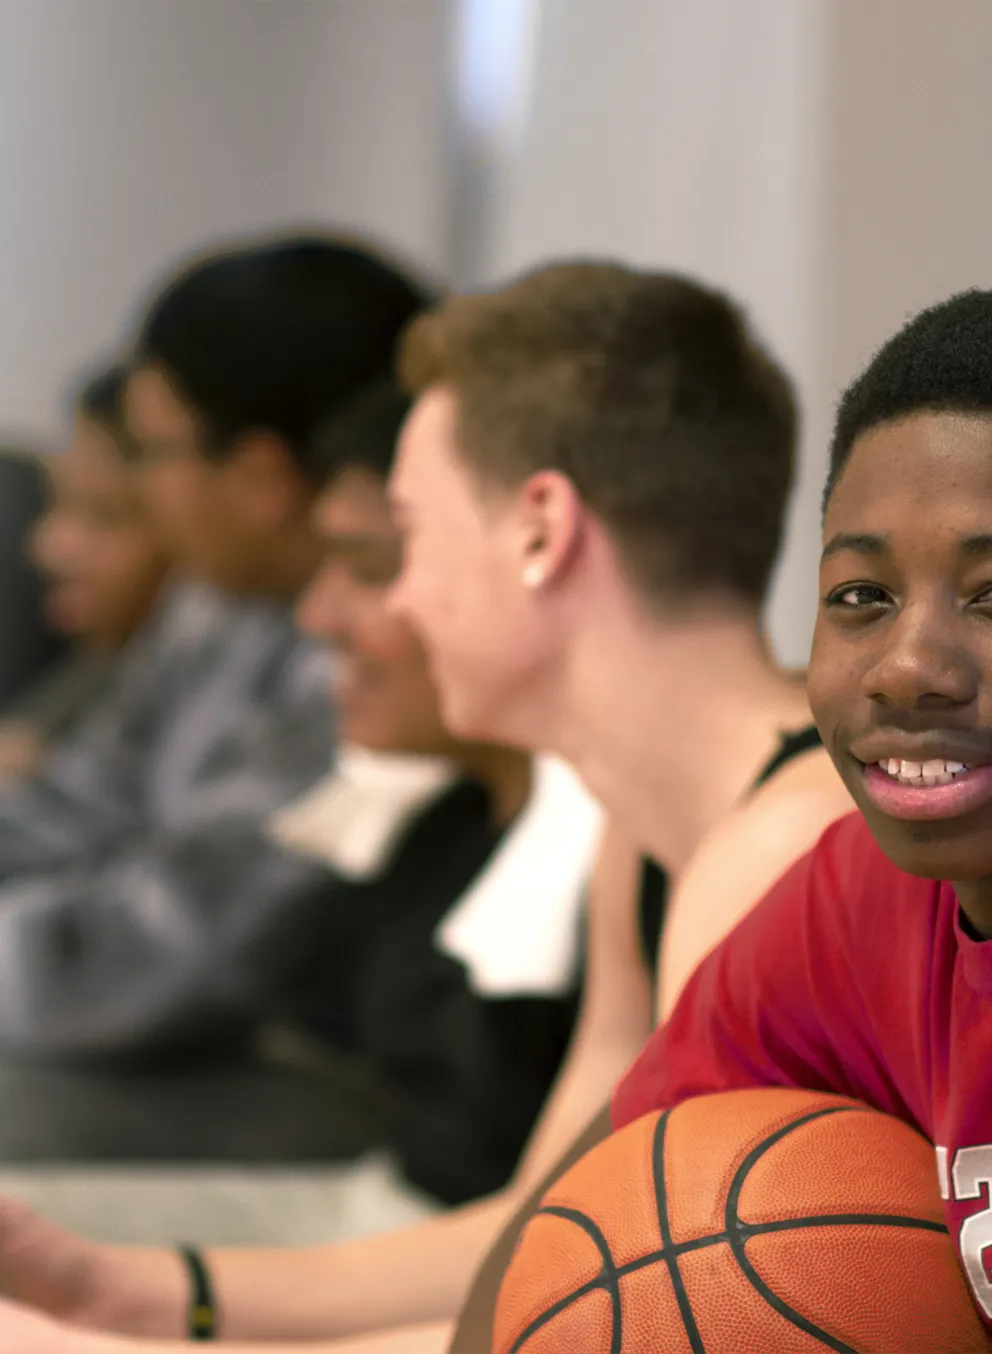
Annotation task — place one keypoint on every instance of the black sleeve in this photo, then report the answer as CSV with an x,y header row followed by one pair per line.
x,y
652,903
467,1074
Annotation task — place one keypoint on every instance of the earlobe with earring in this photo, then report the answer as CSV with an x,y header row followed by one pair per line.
x,y
532,576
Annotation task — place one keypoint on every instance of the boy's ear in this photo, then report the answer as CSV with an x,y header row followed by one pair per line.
x,y
550,527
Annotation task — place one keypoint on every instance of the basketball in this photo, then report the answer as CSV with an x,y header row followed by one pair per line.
x,y
771,1220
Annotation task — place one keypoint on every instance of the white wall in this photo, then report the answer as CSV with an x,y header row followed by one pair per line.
x,y
134,130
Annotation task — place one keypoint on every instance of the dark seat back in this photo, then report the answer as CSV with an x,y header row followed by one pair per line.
x,y
27,643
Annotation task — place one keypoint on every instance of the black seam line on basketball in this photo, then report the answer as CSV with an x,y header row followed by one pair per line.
x,y
750,1230
556,1308
777,1304
607,1278
731,1219
667,1241
737,1234
747,1231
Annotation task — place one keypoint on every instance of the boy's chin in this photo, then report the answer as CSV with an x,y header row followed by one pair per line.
x,y
952,849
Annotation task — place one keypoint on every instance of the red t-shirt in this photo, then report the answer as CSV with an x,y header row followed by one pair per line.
x,y
856,978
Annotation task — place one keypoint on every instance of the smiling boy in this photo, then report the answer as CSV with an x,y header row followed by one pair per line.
x,y
868,969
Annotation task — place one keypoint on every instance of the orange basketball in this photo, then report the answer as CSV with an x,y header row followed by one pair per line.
x,y
751,1221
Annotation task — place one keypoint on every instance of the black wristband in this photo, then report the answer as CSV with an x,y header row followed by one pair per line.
x,y
202,1319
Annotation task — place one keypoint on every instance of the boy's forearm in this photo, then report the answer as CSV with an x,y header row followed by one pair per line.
x,y
396,1279
431,1338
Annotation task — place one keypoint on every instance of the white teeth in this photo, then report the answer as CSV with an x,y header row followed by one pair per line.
x,y
933,772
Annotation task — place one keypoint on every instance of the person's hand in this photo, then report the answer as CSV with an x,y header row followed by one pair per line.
x,y
29,1332
46,1267
127,1290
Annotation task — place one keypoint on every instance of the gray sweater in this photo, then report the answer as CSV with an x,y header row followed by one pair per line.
x,y
59,697
142,904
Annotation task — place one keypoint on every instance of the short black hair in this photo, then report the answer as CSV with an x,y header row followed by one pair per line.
x,y
362,434
940,362
100,397
275,336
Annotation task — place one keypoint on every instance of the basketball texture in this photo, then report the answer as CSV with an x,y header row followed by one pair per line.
x,y
772,1220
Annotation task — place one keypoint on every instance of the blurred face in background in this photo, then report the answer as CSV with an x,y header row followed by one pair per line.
x,y
96,545
383,693
222,519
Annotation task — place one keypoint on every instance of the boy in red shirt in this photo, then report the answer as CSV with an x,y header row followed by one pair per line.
x,y
868,969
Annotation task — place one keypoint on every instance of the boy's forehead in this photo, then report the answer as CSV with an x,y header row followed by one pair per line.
x,y
913,466
426,466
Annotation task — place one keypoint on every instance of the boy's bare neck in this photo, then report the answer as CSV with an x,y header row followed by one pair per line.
x,y
675,727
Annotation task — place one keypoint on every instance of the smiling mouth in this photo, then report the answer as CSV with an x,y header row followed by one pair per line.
x,y
936,771
938,788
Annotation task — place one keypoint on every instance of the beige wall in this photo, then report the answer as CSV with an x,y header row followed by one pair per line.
x,y
368,141
908,194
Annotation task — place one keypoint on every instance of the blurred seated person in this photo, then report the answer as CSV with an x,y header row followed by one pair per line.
x,y
435,952
138,886
103,567
458,977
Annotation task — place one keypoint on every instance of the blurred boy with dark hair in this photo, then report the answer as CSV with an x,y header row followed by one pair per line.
x,y
135,872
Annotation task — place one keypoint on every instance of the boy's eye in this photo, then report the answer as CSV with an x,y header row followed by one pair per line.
x,y
857,596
